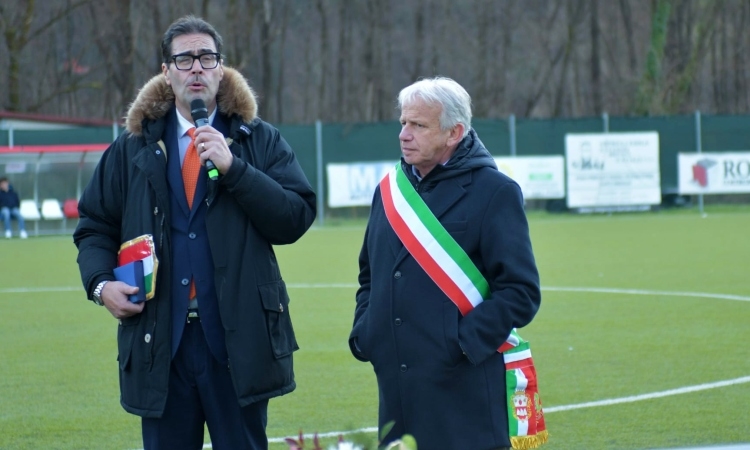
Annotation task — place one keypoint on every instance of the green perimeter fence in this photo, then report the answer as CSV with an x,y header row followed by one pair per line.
x,y
41,174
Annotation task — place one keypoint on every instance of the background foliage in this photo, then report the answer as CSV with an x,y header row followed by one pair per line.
x,y
345,61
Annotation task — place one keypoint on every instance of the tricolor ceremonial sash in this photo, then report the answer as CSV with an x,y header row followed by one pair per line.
x,y
448,265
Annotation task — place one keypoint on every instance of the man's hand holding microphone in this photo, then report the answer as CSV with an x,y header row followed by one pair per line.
x,y
210,143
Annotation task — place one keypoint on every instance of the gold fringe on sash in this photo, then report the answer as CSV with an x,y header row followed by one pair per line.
x,y
529,442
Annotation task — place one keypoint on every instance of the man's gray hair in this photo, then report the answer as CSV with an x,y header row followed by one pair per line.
x,y
451,96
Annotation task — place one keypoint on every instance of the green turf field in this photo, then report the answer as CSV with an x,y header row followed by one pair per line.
x,y
634,304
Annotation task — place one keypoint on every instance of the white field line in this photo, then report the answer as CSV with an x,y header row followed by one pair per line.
x,y
554,409
742,298
29,290
549,410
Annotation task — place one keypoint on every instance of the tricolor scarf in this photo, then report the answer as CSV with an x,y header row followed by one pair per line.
x,y
448,265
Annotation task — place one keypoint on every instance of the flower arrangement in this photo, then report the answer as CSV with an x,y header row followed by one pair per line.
x,y
407,442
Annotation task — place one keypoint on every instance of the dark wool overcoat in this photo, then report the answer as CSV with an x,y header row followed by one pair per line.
x,y
264,199
439,374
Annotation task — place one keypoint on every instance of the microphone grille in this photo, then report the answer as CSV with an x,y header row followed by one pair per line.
x,y
198,109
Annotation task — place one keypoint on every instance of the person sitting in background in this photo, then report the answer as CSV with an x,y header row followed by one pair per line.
x,y
9,205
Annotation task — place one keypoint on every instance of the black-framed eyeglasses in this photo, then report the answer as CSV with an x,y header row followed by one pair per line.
x,y
186,61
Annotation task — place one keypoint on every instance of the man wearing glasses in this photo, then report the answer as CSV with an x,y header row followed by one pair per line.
x,y
214,340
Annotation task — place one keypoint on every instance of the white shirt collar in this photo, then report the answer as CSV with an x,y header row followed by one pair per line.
x,y
183,125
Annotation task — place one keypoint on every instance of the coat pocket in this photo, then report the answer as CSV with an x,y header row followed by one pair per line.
x,y
125,336
276,308
451,317
456,227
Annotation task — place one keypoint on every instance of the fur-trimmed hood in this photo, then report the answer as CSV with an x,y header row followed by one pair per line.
x,y
155,99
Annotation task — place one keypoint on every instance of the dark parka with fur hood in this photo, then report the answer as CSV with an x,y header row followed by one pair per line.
x,y
264,199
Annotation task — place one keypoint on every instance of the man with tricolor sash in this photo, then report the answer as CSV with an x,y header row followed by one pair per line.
x,y
447,275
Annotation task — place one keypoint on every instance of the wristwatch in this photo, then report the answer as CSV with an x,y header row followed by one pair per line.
x,y
98,293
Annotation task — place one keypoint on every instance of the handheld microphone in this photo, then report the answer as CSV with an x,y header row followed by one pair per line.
x,y
199,111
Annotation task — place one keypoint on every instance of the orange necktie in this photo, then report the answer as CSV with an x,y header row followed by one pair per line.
x,y
191,167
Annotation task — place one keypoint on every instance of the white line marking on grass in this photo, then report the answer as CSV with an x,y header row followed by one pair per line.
x,y
26,290
606,402
548,410
652,395
742,298
554,409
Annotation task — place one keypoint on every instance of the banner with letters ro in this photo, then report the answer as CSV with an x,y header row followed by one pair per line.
x,y
713,173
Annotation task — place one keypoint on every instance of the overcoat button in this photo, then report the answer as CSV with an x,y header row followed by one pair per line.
x,y
185,281
397,321
403,368
147,338
397,275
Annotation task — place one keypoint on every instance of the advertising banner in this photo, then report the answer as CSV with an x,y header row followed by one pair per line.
x,y
611,170
353,184
713,173
540,177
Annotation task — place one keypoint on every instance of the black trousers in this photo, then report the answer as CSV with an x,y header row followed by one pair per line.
x,y
201,392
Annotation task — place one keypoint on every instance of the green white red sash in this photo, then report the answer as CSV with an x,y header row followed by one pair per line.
x,y
448,265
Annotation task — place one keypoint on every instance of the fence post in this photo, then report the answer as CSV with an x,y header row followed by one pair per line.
x,y
605,122
319,170
698,149
79,179
512,133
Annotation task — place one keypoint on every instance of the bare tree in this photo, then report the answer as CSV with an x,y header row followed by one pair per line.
x,y
627,21
647,102
542,76
16,27
322,60
339,60
279,85
485,67
419,39
575,10
113,36
739,61
266,43
342,61
596,82
702,26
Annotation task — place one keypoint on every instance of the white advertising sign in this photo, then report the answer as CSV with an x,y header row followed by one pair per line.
x,y
353,184
538,176
612,169
713,173
15,167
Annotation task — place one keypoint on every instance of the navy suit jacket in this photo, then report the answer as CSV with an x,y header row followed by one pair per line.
x,y
191,253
